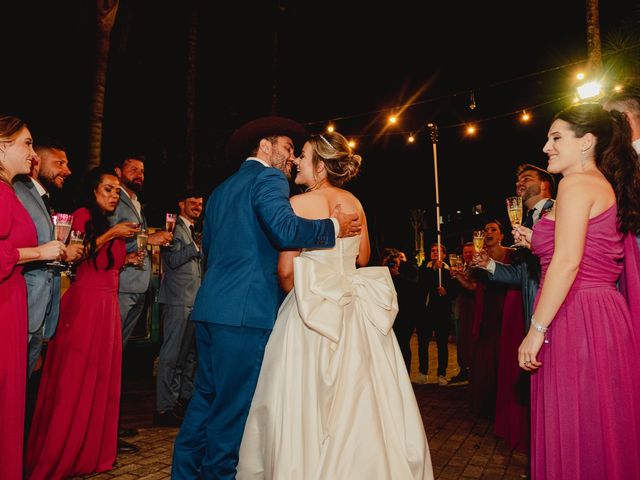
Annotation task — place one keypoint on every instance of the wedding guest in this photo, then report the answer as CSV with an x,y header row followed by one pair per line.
x,y
182,274
582,346
18,246
49,171
75,423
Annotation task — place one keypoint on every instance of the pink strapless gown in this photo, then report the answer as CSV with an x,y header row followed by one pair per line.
x,y
585,399
75,423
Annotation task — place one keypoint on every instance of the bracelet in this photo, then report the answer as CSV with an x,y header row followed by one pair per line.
x,y
538,327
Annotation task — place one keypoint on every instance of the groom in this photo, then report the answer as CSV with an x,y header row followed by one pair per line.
x,y
248,219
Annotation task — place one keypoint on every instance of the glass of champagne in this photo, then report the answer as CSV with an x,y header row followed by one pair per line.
x,y
514,209
62,225
454,262
478,240
141,240
169,224
76,237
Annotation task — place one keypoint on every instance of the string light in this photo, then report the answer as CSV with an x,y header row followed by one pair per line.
x,y
331,128
471,130
411,138
393,119
472,100
352,143
525,117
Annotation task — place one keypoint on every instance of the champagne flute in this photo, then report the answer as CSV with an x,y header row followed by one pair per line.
x,y
170,224
514,210
76,237
478,240
454,262
62,225
141,240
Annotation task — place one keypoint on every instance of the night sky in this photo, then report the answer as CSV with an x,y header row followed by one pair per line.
x,y
345,61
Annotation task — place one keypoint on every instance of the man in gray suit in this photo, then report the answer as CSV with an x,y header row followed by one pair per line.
x,y
48,173
182,274
134,280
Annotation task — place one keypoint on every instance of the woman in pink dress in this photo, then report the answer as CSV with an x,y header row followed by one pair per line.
x,y
582,347
75,423
18,245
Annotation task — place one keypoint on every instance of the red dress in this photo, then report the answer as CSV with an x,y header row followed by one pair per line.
x,y
16,231
75,423
512,404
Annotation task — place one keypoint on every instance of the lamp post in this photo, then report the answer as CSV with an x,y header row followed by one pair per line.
x,y
433,128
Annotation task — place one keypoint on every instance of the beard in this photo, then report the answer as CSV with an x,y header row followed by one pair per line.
x,y
48,179
280,161
531,192
136,187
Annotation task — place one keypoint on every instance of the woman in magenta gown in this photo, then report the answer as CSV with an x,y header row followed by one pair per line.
x,y
582,346
18,245
75,423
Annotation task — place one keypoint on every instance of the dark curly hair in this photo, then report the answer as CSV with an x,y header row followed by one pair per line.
x,y
614,156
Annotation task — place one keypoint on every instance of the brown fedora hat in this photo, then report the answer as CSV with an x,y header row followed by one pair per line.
x,y
247,137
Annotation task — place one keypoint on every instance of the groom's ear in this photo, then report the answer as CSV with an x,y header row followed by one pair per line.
x,y
265,146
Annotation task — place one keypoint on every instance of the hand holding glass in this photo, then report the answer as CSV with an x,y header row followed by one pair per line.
x,y
514,209
170,224
478,240
76,237
62,226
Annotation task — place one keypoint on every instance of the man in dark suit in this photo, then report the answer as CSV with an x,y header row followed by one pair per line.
x,y
248,219
134,280
535,186
48,173
182,273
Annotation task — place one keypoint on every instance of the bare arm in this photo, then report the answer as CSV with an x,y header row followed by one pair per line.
x,y
285,269
578,197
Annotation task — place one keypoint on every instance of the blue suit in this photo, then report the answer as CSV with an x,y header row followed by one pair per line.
x,y
248,218
43,283
134,281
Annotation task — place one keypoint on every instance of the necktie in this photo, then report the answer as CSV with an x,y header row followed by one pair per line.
x,y
193,231
528,221
47,203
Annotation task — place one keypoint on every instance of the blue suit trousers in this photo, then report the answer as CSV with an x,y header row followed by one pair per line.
x,y
229,360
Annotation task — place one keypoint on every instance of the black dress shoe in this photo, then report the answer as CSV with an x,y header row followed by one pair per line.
x,y
166,419
126,447
127,432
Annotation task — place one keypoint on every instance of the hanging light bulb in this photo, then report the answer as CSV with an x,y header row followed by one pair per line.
x,y
352,143
525,117
331,128
411,138
472,100
471,130
393,119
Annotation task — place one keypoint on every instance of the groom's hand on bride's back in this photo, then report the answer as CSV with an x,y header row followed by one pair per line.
x,y
350,223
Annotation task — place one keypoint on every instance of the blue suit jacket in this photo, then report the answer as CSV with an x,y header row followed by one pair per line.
x,y
182,269
247,221
43,283
132,279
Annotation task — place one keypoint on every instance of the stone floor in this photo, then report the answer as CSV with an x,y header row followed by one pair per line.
x,y
462,446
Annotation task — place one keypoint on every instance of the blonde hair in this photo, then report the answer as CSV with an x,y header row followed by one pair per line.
x,y
10,127
333,150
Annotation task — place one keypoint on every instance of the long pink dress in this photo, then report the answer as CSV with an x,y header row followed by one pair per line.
x,y
75,423
585,399
16,231
512,404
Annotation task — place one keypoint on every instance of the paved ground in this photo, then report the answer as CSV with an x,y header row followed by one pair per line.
x,y
462,446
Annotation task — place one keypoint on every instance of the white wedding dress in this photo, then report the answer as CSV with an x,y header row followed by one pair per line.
x,y
334,400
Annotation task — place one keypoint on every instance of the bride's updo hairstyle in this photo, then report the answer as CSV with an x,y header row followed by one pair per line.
x,y
334,151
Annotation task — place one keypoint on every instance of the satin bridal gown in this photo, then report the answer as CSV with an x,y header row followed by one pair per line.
x,y
334,400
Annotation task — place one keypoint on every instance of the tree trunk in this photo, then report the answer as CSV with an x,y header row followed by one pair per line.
x,y
106,16
191,95
594,47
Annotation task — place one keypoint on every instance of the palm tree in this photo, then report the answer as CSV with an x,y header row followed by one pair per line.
x,y
191,94
106,16
594,48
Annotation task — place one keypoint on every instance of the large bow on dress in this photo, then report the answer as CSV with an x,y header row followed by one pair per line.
x,y
323,294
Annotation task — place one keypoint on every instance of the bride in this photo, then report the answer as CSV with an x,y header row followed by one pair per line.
x,y
334,400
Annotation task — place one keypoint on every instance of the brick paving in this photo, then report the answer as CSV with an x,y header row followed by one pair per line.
x,y
462,446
